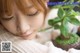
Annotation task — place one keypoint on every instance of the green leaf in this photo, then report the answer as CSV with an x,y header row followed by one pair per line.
x,y
64,30
56,26
61,13
67,6
50,22
71,12
74,20
56,6
54,21
78,13
64,27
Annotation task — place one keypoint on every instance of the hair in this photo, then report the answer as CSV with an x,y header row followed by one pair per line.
x,y
7,5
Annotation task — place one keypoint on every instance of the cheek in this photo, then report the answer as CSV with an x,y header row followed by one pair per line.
x,y
38,21
10,26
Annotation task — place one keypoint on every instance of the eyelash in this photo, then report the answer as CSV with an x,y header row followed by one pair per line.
x,y
7,19
33,14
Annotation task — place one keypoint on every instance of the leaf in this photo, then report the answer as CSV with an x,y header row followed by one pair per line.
x,y
56,6
54,21
56,26
67,6
50,22
74,20
64,27
71,12
61,13
64,30
78,13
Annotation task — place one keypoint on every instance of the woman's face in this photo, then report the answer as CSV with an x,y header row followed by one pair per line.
x,y
25,26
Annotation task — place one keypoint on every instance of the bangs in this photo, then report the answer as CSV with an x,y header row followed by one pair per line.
x,y
38,4
6,7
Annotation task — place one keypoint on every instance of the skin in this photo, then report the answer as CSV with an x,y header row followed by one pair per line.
x,y
25,26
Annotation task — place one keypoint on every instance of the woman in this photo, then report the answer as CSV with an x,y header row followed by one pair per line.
x,y
20,21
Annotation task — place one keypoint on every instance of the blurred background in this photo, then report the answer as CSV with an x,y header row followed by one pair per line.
x,y
56,1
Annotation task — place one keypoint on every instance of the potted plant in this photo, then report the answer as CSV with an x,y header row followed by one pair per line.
x,y
67,39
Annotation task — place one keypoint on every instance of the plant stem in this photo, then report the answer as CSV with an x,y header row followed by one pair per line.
x,y
45,29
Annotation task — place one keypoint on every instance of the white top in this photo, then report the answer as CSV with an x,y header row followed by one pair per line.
x,y
31,46
20,45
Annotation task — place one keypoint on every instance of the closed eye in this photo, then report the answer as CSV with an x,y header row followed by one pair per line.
x,y
33,14
7,19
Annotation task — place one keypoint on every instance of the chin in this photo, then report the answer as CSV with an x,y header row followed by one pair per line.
x,y
29,37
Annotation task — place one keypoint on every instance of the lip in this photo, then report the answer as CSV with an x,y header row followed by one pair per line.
x,y
27,34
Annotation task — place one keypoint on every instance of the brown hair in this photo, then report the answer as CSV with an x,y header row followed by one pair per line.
x,y
7,5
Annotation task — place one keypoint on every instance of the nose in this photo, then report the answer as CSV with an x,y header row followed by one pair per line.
x,y
22,25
